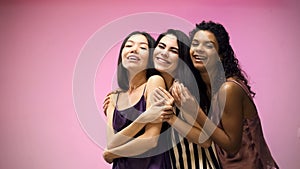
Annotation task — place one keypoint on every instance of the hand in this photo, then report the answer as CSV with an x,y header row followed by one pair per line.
x,y
106,101
167,115
184,100
161,94
153,113
107,157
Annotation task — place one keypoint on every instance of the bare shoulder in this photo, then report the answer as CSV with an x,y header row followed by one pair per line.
x,y
231,89
155,81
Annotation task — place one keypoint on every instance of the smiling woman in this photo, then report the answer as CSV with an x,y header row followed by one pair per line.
x,y
166,54
135,54
133,143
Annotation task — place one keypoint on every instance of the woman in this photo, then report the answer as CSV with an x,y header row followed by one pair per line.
x,y
237,131
132,139
171,59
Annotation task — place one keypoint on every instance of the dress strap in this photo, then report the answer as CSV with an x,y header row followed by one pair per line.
x,y
117,100
243,86
144,89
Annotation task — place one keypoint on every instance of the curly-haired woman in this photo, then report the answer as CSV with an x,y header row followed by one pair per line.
x,y
232,123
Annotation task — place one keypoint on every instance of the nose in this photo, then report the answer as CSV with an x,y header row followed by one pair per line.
x,y
164,53
134,49
199,48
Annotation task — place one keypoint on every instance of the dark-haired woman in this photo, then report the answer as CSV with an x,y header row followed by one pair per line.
x,y
133,142
232,123
171,59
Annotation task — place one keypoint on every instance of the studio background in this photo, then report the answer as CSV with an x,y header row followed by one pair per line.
x,y
41,42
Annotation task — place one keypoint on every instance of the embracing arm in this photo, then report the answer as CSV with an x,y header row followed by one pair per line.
x,y
229,138
193,133
126,134
149,138
185,124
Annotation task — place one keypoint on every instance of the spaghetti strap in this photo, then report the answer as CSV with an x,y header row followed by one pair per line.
x,y
242,86
117,100
144,89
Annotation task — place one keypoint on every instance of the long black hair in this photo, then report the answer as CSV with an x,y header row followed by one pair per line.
x,y
186,73
122,75
229,61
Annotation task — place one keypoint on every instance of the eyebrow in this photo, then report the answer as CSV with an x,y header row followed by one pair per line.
x,y
174,48
138,42
160,43
207,41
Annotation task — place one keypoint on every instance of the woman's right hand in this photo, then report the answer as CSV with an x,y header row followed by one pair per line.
x,y
107,100
154,113
184,100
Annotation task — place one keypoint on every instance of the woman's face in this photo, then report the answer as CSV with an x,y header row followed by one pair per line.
x,y
165,55
135,53
204,50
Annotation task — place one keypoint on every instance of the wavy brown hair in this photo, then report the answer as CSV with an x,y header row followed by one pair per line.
x,y
229,61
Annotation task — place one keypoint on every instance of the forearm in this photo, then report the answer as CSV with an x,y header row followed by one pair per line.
x,y
218,135
124,135
134,147
131,130
192,133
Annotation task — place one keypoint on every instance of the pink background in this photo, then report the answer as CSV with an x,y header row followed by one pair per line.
x,y
41,42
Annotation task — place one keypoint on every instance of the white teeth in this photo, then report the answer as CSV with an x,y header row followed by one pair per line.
x,y
132,57
199,58
162,60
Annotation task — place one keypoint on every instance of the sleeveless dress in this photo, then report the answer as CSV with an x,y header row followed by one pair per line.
x,y
188,155
254,152
147,160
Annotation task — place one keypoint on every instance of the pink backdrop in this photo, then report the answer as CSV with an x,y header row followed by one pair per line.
x,y
40,45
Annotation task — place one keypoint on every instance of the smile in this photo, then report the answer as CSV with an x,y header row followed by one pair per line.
x,y
199,58
133,58
161,60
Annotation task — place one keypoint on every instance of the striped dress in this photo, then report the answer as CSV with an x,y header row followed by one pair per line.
x,y
187,155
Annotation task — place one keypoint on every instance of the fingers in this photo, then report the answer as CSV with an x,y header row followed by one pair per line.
x,y
166,115
158,94
165,92
176,94
106,103
160,102
161,93
166,95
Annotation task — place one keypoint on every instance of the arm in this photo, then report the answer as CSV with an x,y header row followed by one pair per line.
x,y
229,138
123,136
185,126
192,133
149,139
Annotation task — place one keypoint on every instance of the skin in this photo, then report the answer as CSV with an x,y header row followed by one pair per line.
x,y
166,60
165,55
134,57
237,105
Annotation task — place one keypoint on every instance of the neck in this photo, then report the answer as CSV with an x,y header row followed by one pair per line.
x,y
205,77
168,79
209,78
137,80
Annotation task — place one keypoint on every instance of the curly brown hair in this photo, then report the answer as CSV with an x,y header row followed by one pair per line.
x,y
229,61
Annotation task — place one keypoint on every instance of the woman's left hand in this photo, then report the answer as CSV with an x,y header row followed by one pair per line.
x,y
184,100
107,157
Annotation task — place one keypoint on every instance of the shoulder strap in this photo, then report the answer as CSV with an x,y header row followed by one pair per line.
x,y
118,93
144,89
243,86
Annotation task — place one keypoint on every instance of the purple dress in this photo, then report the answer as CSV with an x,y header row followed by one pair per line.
x,y
147,160
254,152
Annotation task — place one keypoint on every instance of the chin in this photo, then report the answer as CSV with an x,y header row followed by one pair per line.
x,y
200,67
